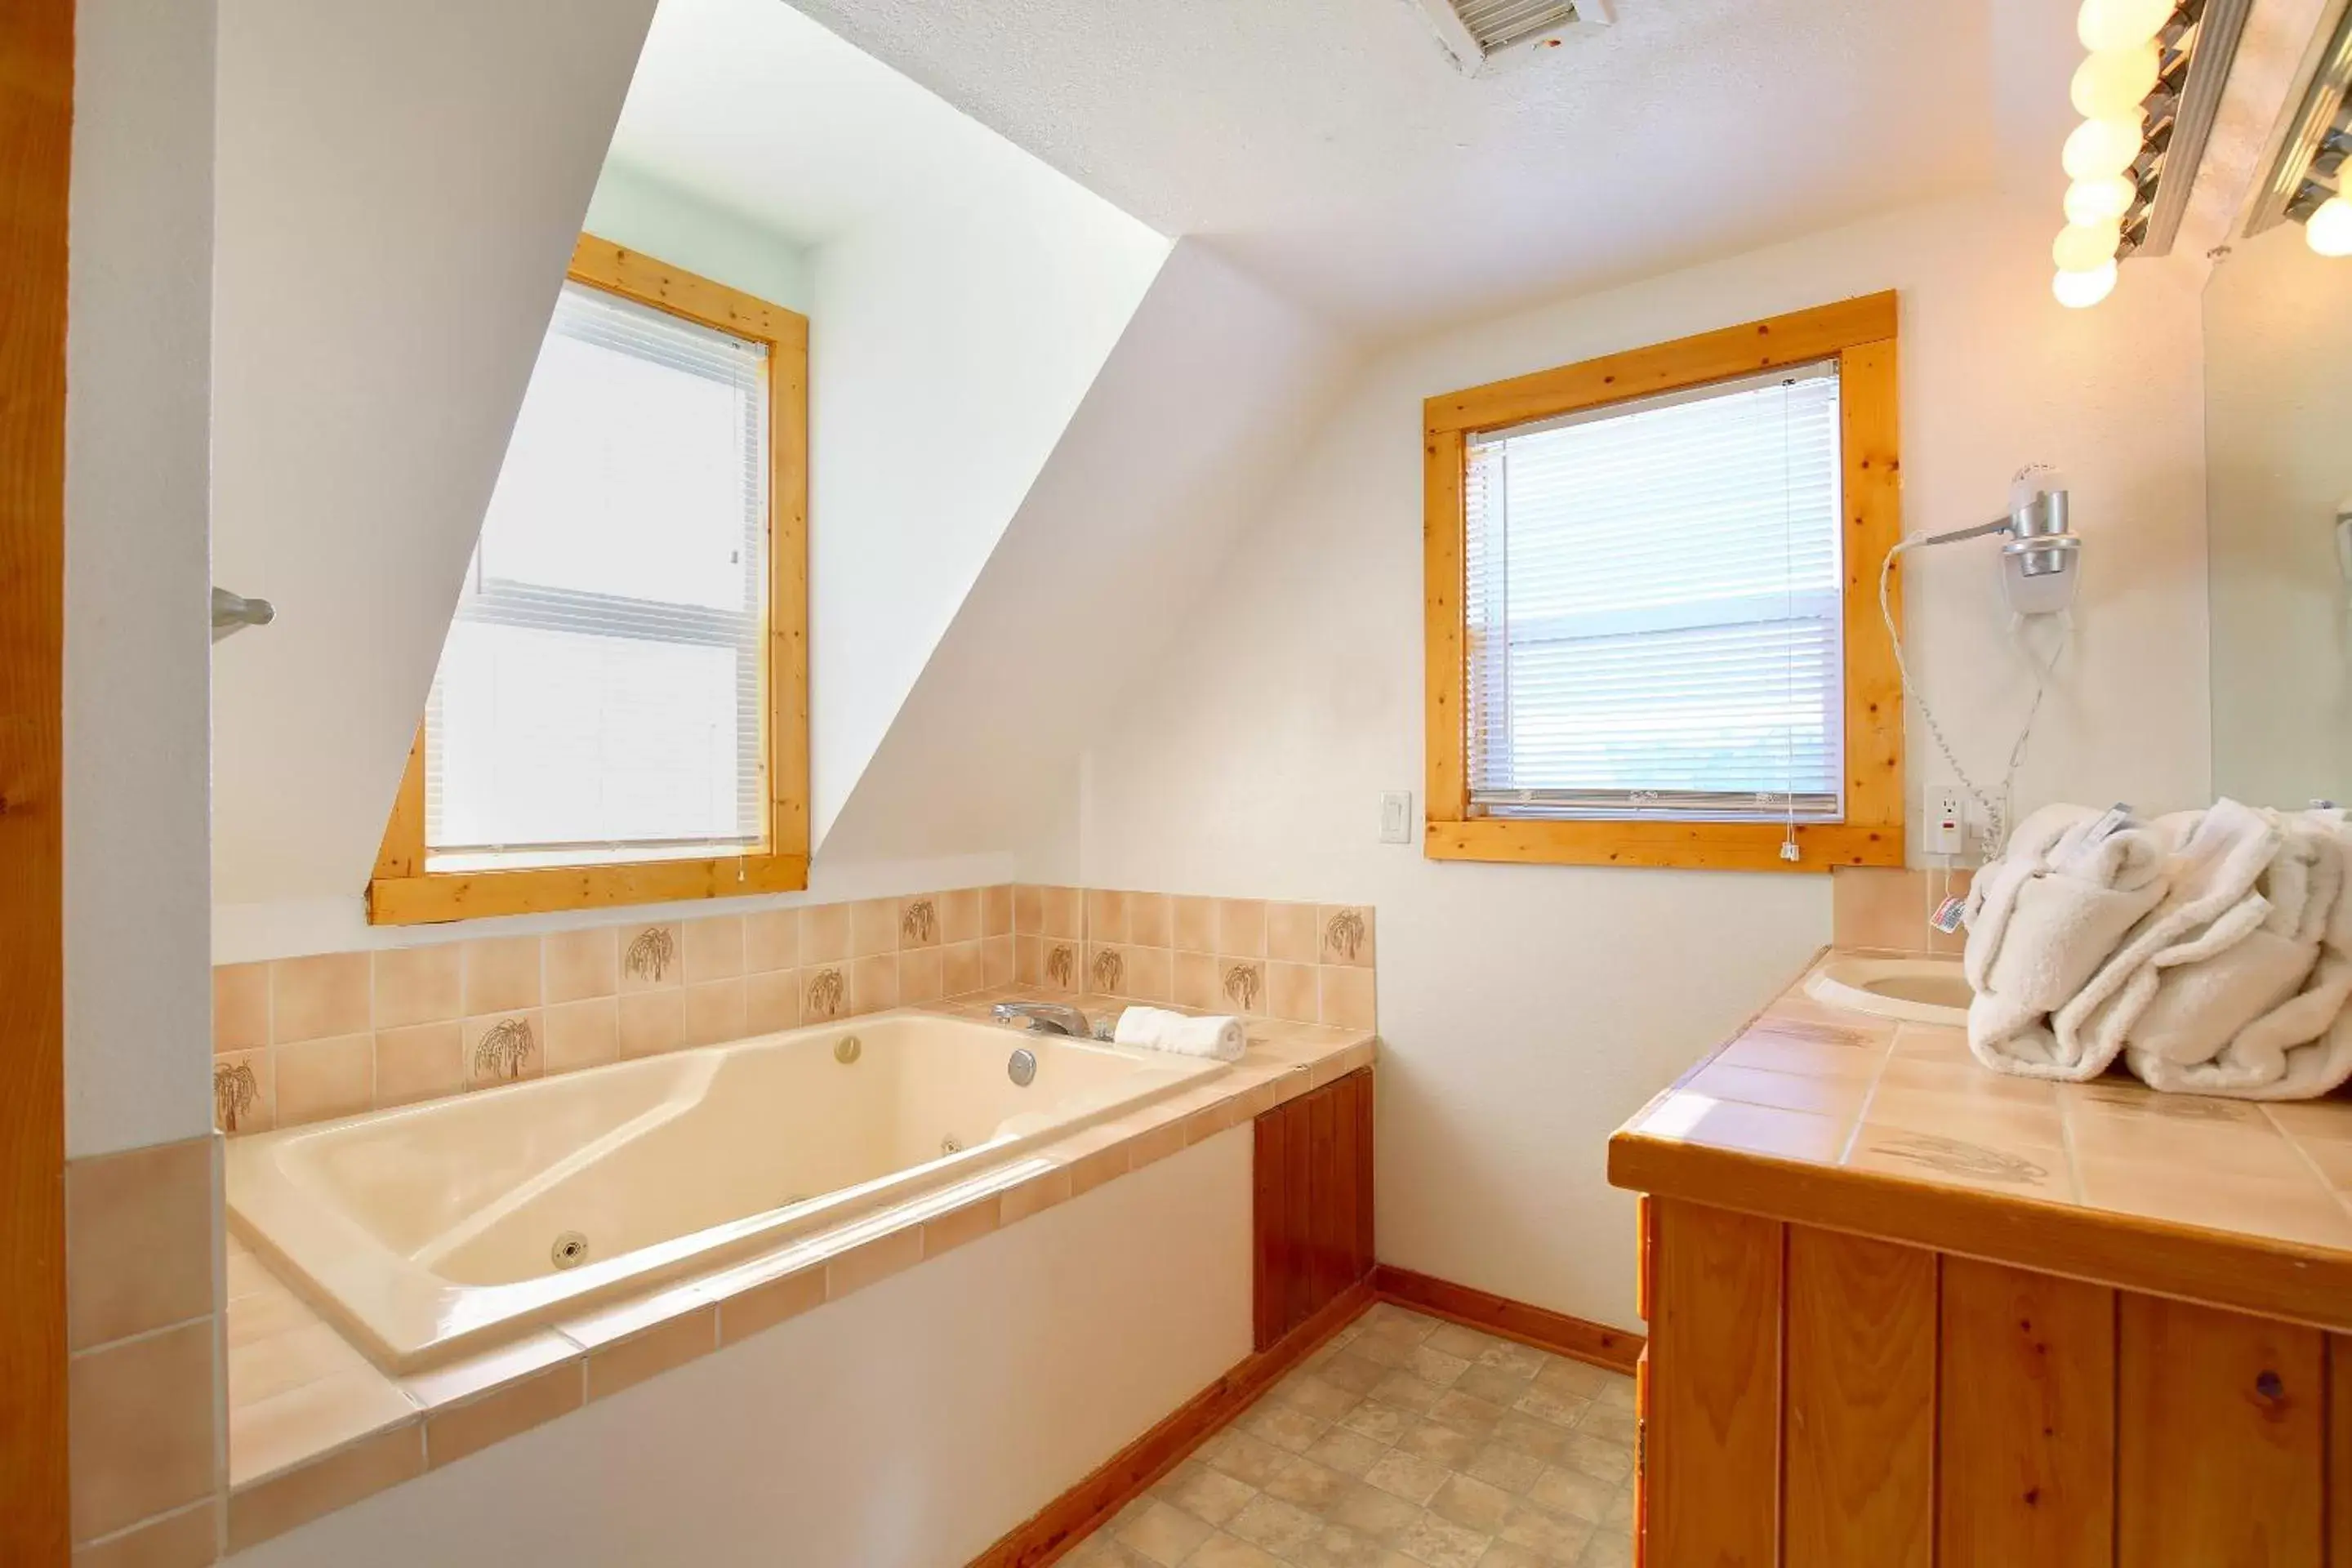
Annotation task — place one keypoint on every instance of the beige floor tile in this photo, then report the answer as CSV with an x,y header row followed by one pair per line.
x,y
1223,1550
1163,1534
1472,1503
1407,1476
1442,1543
1572,1493
1275,1526
1456,1340
1246,1458
1207,1495
1506,1467
1285,1426
1534,1479
1383,1424
1305,1484
1349,1453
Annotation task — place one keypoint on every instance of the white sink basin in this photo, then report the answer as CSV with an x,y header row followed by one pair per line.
x,y
1915,989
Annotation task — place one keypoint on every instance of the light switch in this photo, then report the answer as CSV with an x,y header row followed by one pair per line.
x,y
1396,816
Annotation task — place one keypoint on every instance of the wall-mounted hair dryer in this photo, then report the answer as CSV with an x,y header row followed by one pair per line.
x,y
2039,565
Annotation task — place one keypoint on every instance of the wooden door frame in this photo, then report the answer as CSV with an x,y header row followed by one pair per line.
x,y
37,39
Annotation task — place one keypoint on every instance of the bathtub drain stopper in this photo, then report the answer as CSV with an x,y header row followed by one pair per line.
x,y
1022,1068
570,1251
847,1049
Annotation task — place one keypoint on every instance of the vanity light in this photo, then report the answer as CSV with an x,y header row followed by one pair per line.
x,y
2078,290
2105,24
2328,229
2112,83
2100,148
2103,200
2085,247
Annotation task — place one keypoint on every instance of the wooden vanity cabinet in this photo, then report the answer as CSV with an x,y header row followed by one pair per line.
x,y
1819,1399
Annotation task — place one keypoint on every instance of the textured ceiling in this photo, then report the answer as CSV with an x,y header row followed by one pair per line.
x,y
1331,147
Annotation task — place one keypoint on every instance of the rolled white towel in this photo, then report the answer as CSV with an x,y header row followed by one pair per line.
x,y
1158,1029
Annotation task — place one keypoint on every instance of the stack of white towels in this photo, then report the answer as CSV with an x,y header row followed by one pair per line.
x,y
2209,950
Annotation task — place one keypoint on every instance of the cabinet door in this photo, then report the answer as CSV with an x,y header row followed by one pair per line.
x,y
1313,1198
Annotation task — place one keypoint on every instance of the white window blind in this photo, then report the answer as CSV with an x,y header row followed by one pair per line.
x,y
603,692
1653,611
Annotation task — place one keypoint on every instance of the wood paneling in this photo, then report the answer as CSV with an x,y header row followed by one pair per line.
x,y
1558,1333
1860,335
1045,1535
1312,1200
2219,1458
35,137
1713,1477
2339,1451
2026,1449
1860,1438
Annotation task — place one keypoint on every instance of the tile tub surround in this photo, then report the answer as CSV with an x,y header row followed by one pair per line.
x,y
297,1040
313,1425
1835,1118
1885,908
144,1362
1403,1442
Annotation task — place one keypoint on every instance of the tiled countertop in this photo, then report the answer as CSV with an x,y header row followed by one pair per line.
x,y
1818,1115
314,1425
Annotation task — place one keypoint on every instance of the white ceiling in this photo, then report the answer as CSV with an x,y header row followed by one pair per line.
x,y
1331,147
750,106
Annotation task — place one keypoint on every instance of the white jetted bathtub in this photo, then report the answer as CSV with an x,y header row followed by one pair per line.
x,y
431,1229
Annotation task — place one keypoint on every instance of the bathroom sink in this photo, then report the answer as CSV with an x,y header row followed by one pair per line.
x,y
1916,990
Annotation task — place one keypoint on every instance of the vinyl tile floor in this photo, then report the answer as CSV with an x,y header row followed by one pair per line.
x,y
1404,1442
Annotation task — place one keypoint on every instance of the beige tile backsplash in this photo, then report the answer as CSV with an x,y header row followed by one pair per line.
x,y
303,1039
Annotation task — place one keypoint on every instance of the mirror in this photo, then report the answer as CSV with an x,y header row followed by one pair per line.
x,y
2278,457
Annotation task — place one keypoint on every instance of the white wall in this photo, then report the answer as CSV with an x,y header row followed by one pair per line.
x,y
2278,363
399,188
950,343
138,348
647,213
906,1426
1212,385
1526,1011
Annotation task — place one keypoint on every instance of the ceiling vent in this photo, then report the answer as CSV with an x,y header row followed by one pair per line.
x,y
1483,34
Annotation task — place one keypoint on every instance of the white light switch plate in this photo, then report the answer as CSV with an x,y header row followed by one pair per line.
x,y
1948,822
1396,816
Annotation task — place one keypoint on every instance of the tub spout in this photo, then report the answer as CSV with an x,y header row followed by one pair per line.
x,y
1044,1018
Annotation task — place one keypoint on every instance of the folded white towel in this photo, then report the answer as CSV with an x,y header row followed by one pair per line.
x,y
2264,1017
2212,903
1158,1029
2042,919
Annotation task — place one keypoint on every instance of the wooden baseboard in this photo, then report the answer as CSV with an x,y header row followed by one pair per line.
x,y
1615,1349
1118,1481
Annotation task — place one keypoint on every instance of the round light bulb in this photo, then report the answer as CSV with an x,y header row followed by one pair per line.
x,y
2098,148
2113,82
2120,24
2328,230
2102,200
2084,247
2077,290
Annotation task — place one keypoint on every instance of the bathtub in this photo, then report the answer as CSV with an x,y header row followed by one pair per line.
x,y
436,1229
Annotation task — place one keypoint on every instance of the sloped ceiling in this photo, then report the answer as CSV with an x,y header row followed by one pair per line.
x,y
1331,147
397,190
1210,390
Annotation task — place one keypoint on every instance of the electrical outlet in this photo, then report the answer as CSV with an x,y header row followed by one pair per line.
x,y
1396,816
1948,821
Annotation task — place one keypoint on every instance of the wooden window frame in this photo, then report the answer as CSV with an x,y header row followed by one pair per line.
x,y
1860,335
402,892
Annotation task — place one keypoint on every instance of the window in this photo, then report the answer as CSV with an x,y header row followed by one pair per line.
x,y
619,713
1652,624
